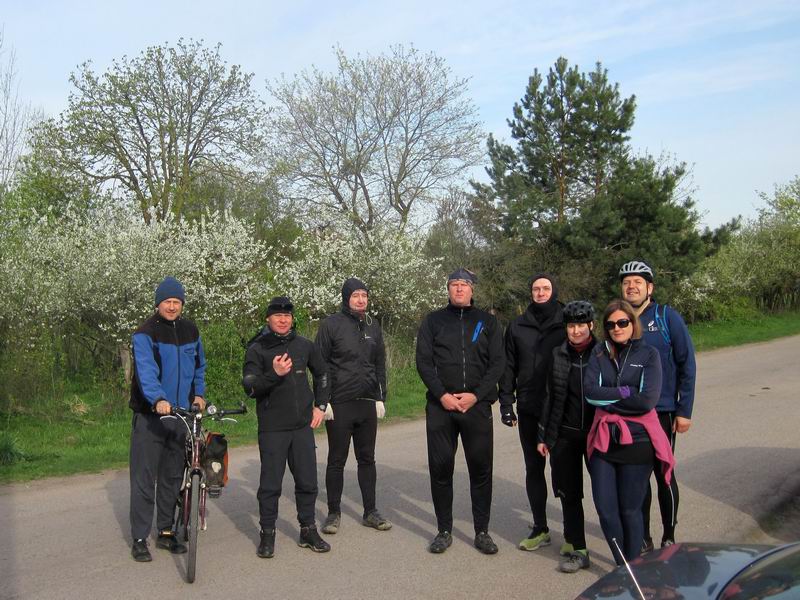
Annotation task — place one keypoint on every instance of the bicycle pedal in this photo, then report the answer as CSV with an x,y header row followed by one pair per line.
x,y
214,492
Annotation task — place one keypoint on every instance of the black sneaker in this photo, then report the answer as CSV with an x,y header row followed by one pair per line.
x,y
377,521
667,542
441,542
647,545
309,538
139,551
485,543
167,540
266,549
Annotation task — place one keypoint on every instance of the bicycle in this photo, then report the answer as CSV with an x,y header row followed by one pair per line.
x,y
195,489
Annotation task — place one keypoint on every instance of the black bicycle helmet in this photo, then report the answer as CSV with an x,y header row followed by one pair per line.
x,y
636,267
578,311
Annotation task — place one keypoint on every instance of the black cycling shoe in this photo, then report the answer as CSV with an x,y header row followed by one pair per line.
x,y
441,542
485,543
266,549
139,551
167,540
310,538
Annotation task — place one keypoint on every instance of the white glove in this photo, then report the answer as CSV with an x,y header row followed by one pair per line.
x,y
380,409
329,412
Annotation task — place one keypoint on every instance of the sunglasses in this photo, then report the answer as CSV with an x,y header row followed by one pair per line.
x,y
622,324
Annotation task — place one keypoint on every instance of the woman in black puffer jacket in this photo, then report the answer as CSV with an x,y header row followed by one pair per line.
x,y
566,419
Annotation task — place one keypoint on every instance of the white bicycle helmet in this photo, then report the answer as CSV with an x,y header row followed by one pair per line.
x,y
636,267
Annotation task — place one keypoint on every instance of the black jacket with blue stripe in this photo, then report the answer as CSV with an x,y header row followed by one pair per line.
x,y
460,349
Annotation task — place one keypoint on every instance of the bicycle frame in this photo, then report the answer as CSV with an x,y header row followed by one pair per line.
x,y
191,517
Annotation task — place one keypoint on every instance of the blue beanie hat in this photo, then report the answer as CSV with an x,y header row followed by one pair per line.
x,y
170,288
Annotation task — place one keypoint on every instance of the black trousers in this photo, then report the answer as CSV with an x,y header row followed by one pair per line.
x,y
277,448
567,458
475,428
535,482
156,471
667,494
356,420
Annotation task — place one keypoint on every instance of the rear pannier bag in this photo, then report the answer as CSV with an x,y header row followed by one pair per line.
x,y
215,460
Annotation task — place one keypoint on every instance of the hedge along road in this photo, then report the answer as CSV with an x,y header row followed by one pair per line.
x,y
69,537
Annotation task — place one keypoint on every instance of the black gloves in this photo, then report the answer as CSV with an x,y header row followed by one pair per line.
x,y
507,415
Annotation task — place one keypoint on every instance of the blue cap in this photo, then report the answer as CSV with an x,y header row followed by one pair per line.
x,y
170,288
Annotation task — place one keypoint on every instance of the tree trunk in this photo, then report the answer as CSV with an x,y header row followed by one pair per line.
x,y
126,360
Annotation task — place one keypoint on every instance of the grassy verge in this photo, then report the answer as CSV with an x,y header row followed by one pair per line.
x,y
62,439
719,334
87,431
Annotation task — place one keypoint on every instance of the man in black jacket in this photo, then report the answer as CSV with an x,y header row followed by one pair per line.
x,y
460,358
275,374
529,343
351,344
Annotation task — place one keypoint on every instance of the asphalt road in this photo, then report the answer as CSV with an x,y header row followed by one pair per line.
x,y
69,537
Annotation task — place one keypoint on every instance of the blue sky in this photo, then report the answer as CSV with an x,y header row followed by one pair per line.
x,y
717,82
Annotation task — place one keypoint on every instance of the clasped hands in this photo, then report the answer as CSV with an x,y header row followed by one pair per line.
x,y
461,401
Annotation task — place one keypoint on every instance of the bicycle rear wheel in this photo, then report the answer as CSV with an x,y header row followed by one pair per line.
x,y
194,525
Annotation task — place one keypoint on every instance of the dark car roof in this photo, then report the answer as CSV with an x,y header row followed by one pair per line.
x,y
688,571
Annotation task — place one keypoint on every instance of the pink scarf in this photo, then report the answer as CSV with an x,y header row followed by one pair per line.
x,y
599,436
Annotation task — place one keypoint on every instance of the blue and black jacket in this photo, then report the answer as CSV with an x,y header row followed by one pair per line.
x,y
460,349
637,368
168,364
665,330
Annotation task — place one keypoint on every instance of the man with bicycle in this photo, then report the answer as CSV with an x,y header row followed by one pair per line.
x,y
168,371
275,373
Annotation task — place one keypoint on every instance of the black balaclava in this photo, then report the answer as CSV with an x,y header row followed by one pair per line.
x,y
350,286
545,311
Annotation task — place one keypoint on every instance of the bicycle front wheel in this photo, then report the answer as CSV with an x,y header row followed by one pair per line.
x,y
194,525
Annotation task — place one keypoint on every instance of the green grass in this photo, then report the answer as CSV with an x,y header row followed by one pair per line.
x,y
87,430
719,334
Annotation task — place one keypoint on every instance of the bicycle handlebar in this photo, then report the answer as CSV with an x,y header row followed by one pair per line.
x,y
213,413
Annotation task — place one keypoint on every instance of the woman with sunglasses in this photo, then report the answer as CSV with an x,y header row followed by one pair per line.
x,y
623,380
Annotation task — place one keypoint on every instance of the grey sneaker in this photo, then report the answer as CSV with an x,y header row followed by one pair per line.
x,y
647,545
375,520
441,542
485,543
332,523
574,562
309,538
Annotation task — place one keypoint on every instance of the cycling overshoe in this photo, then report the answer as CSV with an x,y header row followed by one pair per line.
x,y
309,538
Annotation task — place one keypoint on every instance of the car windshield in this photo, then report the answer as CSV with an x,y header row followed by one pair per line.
x,y
776,576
